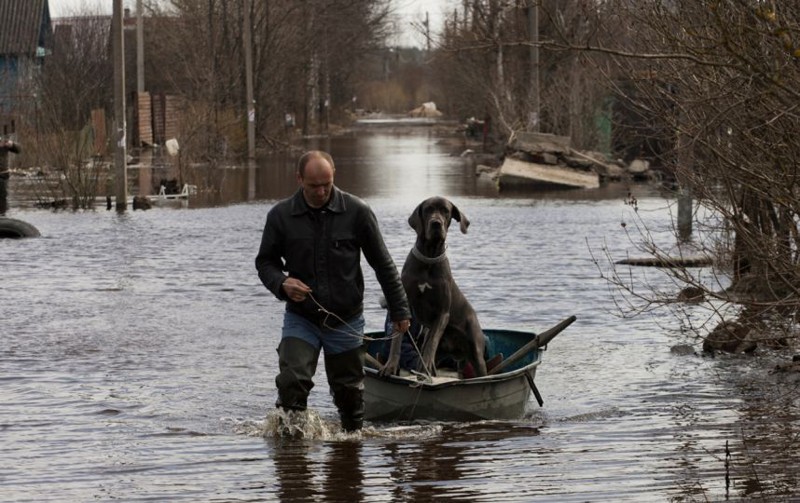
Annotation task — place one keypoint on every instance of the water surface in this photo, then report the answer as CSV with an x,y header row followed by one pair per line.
x,y
138,356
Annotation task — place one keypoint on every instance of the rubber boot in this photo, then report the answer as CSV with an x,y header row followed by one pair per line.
x,y
297,360
346,378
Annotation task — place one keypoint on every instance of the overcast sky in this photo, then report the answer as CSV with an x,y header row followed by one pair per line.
x,y
61,8
408,11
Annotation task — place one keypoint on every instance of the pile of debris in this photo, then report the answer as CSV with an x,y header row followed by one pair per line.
x,y
426,110
549,160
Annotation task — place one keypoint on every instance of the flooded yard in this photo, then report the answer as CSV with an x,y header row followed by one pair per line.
x,y
138,358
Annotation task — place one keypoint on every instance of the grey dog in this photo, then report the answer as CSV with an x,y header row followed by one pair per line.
x,y
449,322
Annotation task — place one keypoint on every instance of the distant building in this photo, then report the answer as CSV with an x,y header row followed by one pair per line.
x,y
25,40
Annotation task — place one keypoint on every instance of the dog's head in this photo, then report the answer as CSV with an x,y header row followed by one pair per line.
x,y
431,219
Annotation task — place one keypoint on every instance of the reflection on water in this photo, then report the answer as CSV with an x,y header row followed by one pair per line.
x,y
409,163
381,164
138,356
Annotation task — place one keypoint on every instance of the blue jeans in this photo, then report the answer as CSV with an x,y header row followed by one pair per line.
x,y
333,341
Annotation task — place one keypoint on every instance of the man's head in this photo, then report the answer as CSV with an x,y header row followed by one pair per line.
x,y
315,172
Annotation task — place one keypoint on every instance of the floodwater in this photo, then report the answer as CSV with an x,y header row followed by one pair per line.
x,y
137,357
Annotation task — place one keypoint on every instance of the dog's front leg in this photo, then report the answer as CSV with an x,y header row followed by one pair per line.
x,y
435,334
393,362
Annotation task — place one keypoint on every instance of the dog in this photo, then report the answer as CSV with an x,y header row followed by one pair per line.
x,y
449,322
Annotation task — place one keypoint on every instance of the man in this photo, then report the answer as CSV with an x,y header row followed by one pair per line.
x,y
6,146
310,257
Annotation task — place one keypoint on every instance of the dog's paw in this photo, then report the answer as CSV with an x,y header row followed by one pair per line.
x,y
390,368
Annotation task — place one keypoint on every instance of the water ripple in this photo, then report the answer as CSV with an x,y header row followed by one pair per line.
x,y
138,358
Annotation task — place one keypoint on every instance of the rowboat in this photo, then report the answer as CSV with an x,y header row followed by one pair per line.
x,y
502,394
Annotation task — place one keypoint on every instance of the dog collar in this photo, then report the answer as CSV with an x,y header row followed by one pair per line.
x,y
428,260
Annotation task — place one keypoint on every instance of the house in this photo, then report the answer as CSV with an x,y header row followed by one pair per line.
x,y
25,39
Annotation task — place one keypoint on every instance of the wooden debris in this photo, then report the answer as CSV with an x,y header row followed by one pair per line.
x,y
547,174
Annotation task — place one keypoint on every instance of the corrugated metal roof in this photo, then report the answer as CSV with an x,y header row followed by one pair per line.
x,y
21,22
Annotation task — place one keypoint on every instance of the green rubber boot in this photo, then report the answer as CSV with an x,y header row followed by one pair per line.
x,y
346,378
298,363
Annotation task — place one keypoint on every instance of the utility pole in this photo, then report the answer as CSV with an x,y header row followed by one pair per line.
x,y
533,33
120,153
248,70
428,32
251,109
139,47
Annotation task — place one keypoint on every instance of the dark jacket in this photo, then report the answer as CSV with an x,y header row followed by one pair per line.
x,y
322,248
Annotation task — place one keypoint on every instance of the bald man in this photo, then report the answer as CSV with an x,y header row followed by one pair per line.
x,y
310,257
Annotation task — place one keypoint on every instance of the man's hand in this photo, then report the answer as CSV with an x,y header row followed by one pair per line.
x,y
402,326
295,289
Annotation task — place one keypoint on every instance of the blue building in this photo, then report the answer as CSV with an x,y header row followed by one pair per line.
x,y
25,40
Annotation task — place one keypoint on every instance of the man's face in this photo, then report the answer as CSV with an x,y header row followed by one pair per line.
x,y
317,182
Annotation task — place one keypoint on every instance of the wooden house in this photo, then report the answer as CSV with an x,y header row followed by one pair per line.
x,y
25,40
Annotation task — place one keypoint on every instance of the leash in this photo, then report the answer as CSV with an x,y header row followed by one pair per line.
x,y
354,333
428,374
350,330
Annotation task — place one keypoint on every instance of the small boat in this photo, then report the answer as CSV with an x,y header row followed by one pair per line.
x,y
502,394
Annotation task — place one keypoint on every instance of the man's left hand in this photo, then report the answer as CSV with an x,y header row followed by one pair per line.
x,y
402,326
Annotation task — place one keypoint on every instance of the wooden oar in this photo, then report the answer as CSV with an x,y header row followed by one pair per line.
x,y
537,342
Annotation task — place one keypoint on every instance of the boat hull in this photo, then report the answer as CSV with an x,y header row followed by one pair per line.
x,y
403,401
502,396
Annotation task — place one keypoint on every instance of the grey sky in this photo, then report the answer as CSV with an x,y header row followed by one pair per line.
x,y
408,12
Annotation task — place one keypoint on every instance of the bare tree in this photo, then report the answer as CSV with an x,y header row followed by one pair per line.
x,y
308,52
60,139
484,59
706,90
305,59
714,84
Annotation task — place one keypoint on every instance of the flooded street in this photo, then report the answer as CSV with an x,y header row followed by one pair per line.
x,y
137,360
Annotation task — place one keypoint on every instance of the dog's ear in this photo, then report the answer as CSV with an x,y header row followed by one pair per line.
x,y
461,218
415,220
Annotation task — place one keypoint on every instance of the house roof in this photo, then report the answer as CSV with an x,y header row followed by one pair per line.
x,y
23,25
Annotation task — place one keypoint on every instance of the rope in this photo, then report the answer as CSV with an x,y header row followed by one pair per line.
x,y
354,333
351,332
421,359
